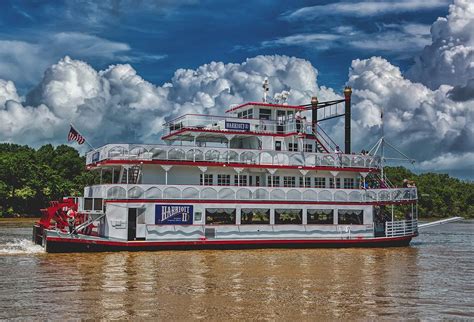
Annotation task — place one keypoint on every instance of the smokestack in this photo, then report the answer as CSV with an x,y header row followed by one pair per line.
x,y
314,113
347,119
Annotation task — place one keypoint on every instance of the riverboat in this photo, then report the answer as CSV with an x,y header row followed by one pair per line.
x,y
259,177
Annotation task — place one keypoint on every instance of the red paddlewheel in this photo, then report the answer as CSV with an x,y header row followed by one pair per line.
x,y
56,213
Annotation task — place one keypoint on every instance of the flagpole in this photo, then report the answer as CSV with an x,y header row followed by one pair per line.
x,y
85,140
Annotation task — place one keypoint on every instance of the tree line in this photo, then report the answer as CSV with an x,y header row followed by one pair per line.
x,y
30,178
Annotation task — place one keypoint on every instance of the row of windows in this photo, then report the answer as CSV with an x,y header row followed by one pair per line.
x,y
274,181
316,182
294,147
247,114
261,216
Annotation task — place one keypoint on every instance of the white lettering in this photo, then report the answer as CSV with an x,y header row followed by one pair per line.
x,y
171,211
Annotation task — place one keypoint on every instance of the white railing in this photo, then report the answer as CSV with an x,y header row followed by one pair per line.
x,y
401,228
225,155
218,123
180,192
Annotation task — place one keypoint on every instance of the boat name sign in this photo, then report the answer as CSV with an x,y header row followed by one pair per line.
x,y
173,214
239,126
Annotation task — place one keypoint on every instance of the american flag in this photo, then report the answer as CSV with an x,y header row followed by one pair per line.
x,y
75,136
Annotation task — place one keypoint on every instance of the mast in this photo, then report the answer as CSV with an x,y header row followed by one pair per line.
x,y
382,152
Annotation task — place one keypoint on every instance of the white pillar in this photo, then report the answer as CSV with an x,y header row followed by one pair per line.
x,y
272,172
304,173
166,168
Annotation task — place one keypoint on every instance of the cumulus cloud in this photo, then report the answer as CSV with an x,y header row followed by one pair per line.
x,y
117,105
449,59
7,92
363,8
424,123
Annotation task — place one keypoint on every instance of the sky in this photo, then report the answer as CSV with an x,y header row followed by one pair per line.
x,y
119,68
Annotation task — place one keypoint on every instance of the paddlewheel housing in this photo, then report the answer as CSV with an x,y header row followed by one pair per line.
x,y
56,217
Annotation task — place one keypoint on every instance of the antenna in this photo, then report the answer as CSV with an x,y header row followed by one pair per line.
x,y
380,145
266,88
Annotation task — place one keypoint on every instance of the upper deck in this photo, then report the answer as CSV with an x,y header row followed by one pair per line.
x,y
219,155
188,126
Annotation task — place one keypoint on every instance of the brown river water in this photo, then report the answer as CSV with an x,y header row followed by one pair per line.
x,y
431,279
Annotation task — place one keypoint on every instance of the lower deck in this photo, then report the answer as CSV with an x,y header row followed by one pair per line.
x,y
181,221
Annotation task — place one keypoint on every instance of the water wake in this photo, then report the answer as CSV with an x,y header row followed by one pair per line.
x,y
20,246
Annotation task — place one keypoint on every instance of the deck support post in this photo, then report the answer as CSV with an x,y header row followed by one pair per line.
x,y
166,168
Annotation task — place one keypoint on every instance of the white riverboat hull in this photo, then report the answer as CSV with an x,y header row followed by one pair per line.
x,y
55,242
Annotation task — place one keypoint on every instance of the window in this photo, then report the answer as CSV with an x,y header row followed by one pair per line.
x,y
338,183
308,148
197,216
273,181
247,114
349,183
88,202
350,217
243,180
289,181
254,216
320,182
277,145
292,146
307,182
320,216
206,179
223,179
288,216
265,114
220,216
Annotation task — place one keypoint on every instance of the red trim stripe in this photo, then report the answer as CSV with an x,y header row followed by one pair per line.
x,y
230,242
238,165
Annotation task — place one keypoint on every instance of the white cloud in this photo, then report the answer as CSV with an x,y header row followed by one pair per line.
x,y
449,161
401,39
118,105
24,62
364,8
7,92
323,40
449,59
426,124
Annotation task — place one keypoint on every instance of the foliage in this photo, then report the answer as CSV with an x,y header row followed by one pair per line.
x,y
439,194
30,178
